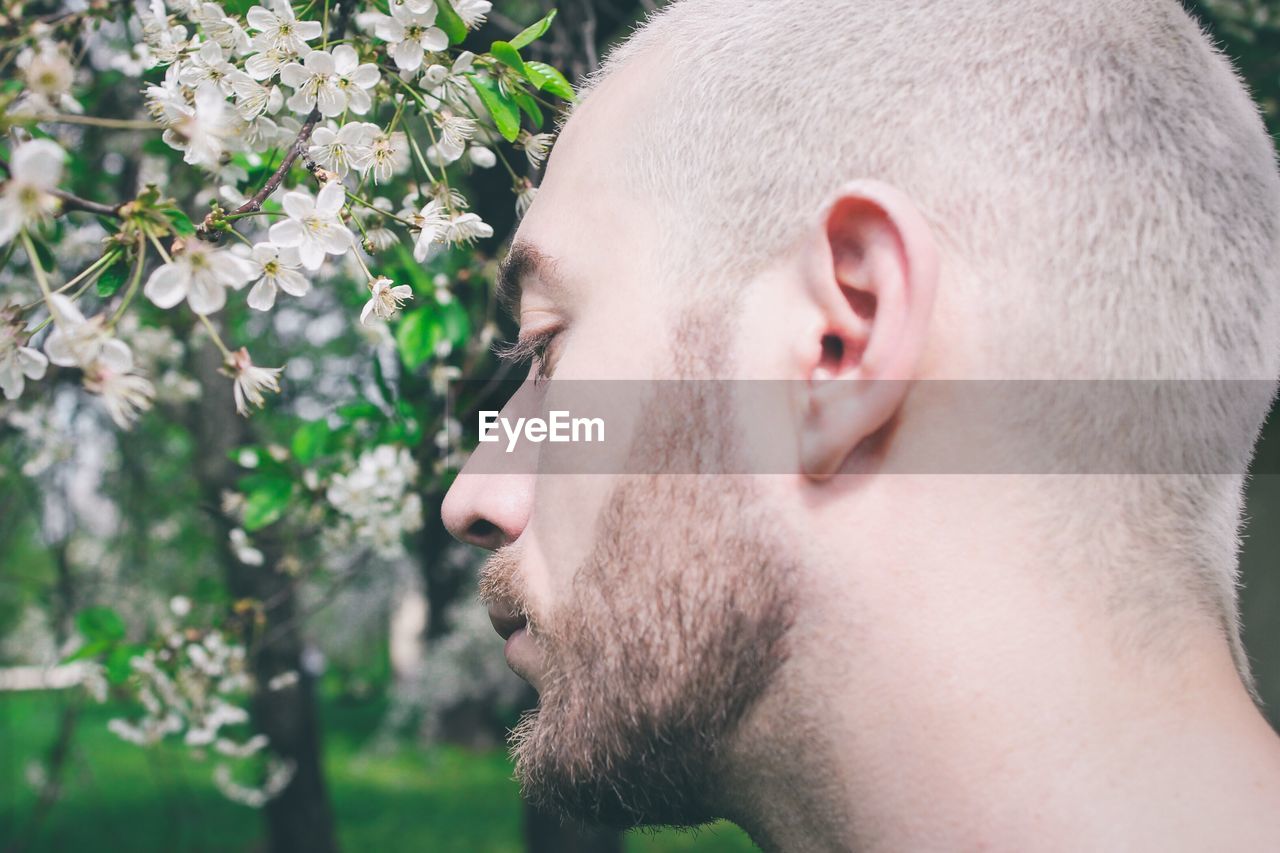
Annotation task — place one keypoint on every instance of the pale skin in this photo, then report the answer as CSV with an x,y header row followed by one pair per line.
x,y
945,690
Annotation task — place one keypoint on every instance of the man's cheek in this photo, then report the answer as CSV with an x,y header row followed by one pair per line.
x,y
565,516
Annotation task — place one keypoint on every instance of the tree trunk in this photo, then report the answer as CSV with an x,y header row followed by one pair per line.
x,y
300,818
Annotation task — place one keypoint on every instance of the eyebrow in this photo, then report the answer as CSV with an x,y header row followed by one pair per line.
x,y
524,260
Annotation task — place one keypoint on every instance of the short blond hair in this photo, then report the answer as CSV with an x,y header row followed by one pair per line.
x,y
1098,167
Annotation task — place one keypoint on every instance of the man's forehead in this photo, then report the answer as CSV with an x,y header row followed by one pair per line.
x,y
586,218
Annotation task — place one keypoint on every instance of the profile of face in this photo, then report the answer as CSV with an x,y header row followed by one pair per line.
x,y
684,630
650,610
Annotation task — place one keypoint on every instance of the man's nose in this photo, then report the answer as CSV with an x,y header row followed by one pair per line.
x,y
488,509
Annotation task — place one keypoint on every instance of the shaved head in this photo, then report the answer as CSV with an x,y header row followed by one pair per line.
x,y
1101,185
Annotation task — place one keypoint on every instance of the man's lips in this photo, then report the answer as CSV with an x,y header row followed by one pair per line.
x,y
506,621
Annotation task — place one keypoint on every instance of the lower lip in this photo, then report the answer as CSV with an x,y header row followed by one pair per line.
x,y
522,656
517,637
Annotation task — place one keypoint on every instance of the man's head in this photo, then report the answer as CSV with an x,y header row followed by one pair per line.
x,y
878,191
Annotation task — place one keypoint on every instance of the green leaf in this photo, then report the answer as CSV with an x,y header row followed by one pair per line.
x,y
88,651
117,663
416,338
100,624
534,32
114,278
530,107
448,20
507,55
506,115
455,324
267,501
181,223
549,79
310,441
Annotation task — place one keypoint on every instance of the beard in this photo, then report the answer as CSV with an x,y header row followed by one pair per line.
x,y
673,627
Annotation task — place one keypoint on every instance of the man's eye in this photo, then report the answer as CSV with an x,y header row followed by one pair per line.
x,y
532,348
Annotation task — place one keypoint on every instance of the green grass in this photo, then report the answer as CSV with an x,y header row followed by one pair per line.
x,y
119,797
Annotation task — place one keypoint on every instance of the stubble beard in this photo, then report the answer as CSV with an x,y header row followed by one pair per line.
x,y
674,626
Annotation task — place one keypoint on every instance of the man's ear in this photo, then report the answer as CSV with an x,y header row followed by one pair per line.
x,y
872,273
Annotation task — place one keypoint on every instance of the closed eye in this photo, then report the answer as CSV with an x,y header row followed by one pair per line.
x,y
528,348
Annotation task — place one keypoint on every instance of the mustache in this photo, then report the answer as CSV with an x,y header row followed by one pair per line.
x,y
499,585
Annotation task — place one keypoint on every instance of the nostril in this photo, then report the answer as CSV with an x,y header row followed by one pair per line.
x,y
486,534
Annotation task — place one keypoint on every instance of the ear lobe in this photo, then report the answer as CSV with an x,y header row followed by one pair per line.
x,y
873,281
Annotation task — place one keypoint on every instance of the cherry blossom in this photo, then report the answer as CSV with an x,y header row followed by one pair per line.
x,y
26,199
385,299
275,269
410,33
279,29
314,226
200,274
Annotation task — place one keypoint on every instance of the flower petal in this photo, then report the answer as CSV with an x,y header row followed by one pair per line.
x,y
263,295
312,254
434,39
408,55
287,233
168,285
330,199
366,76
293,282
206,297
298,205
344,59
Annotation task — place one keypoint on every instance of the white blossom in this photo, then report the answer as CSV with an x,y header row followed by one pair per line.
x,y
454,133
331,82
482,157
200,274
432,222
388,155
314,226
180,606
18,362
268,63
225,31
467,227
75,341
47,74
252,98
279,775
203,129
536,146
280,29
385,299
209,65
275,268
243,548
472,12
410,33
376,495
124,393
350,147
26,199
251,381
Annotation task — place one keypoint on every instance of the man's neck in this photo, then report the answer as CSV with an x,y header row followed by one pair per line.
x,y
952,734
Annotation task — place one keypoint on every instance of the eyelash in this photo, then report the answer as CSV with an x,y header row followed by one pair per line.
x,y
530,348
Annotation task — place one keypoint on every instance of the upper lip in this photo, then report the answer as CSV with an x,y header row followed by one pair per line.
x,y
505,618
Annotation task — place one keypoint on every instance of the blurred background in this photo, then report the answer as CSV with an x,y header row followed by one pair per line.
x,y
388,690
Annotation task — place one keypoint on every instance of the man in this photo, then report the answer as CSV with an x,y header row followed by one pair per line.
x,y
862,199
